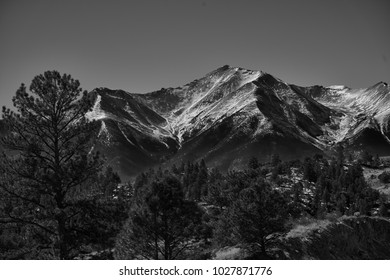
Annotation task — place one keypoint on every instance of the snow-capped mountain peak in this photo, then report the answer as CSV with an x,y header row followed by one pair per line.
x,y
231,114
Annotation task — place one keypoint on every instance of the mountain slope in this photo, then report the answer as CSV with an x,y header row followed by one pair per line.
x,y
231,114
362,119
132,136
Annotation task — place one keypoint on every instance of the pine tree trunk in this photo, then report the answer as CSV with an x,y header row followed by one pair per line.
x,y
263,248
155,247
63,246
166,239
155,238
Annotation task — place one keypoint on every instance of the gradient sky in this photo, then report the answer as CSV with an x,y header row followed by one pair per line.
x,y
143,45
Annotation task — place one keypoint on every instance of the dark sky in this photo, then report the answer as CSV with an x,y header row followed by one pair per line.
x,y
143,45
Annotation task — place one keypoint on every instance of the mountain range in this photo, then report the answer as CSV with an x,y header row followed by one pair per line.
x,y
232,114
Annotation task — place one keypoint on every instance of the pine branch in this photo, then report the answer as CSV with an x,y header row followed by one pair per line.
x,y
19,220
22,197
181,250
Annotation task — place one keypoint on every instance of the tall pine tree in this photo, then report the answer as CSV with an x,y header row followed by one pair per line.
x,y
51,180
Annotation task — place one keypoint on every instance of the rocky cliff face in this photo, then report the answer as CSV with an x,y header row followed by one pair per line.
x,y
231,114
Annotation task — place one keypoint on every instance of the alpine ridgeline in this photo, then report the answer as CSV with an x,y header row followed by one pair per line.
x,y
232,114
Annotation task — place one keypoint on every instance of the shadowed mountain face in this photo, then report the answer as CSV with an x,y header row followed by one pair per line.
x,y
232,114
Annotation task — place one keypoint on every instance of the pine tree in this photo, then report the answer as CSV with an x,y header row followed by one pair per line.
x,y
296,207
309,170
340,154
253,163
218,195
383,211
202,179
275,159
376,161
366,157
341,204
315,202
175,170
52,180
363,206
161,224
256,213
215,175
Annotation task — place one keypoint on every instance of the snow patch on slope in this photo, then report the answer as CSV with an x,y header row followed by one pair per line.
x,y
97,113
338,87
357,109
104,135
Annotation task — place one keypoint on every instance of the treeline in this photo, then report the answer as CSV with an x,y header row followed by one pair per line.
x,y
330,186
240,207
185,211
